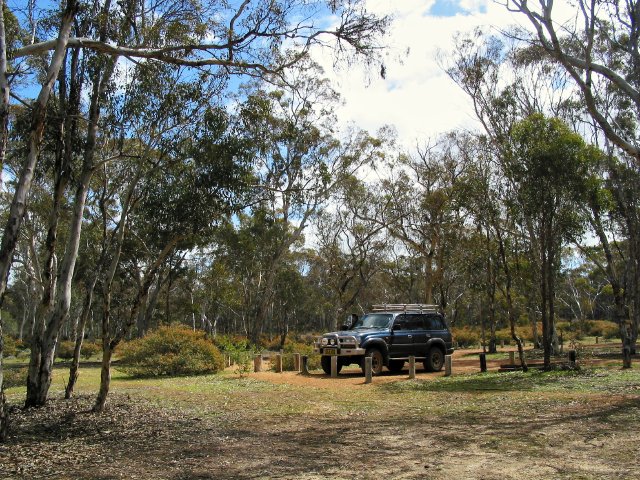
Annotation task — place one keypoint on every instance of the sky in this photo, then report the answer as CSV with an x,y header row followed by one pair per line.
x,y
417,97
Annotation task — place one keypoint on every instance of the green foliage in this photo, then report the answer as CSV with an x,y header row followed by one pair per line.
x,y
90,349
11,346
303,349
65,350
602,328
171,351
466,336
14,377
239,350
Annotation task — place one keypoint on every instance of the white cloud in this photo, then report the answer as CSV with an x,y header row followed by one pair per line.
x,y
417,96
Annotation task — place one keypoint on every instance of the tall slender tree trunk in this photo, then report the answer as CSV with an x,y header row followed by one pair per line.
x,y
509,298
23,187
79,338
109,343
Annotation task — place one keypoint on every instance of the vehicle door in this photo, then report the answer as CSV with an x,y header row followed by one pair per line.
x,y
419,334
437,328
401,340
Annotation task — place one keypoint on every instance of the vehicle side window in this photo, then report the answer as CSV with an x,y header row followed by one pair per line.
x,y
435,323
401,322
416,322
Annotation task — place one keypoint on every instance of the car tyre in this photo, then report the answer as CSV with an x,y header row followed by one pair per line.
x,y
325,361
377,360
435,360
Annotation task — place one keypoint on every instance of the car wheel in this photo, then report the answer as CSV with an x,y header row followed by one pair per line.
x,y
325,361
435,360
377,361
396,366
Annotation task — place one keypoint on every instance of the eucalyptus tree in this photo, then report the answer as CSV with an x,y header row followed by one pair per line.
x,y
300,163
350,246
597,45
419,205
550,166
249,38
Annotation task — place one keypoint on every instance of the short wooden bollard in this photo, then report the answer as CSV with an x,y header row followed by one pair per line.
x,y
597,339
296,362
448,365
257,363
626,357
334,366
412,367
368,370
483,362
512,357
278,363
305,365
573,358
501,343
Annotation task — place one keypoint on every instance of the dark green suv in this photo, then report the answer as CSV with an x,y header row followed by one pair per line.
x,y
390,334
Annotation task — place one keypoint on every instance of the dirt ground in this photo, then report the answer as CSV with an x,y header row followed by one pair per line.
x,y
288,426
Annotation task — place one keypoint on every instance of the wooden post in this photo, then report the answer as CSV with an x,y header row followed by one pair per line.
x,y
279,363
368,370
512,357
626,357
448,365
305,365
334,366
561,343
502,343
597,339
573,358
412,367
483,362
257,363
296,362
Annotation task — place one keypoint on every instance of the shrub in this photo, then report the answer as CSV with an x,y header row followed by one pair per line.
x,y
466,336
11,346
240,351
602,328
303,349
14,377
171,351
65,350
90,349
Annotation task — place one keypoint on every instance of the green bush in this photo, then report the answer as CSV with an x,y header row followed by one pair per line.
x,y
171,351
90,349
65,350
602,328
466,336
11,346
239,350
303,349
14,377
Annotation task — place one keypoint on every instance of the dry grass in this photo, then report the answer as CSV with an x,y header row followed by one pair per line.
x,y
493,426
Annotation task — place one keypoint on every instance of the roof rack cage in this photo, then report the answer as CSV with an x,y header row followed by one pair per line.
x,y
405,307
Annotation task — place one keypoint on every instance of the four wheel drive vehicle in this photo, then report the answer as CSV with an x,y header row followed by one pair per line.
x,y
390,334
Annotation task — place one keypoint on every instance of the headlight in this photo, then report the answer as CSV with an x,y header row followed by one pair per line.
x,y
332,341
324,341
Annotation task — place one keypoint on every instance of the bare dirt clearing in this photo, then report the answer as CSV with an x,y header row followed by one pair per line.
x,y
493,426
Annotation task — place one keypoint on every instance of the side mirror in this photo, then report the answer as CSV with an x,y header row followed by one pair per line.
x,y
396,327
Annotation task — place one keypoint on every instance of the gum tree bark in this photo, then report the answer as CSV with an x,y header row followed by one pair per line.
x,y
23,187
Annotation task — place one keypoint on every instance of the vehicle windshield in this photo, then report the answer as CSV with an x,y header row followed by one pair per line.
x,y
374,320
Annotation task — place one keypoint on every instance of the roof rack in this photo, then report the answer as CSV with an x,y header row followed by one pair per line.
x,y
405,307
